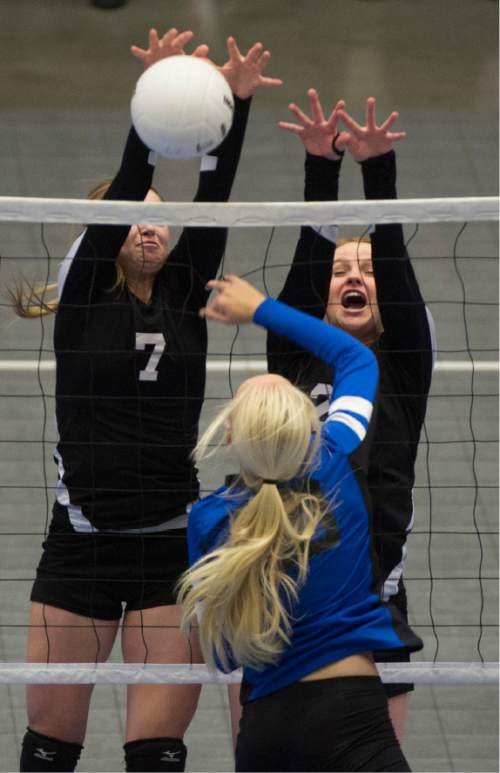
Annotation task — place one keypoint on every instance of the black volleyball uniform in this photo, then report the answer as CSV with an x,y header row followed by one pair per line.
x,y
129,390
405,357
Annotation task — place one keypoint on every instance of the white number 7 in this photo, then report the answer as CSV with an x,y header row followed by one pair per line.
x,y
157,340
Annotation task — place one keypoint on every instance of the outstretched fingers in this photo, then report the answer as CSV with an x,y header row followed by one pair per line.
x,y
181,40
201,51
170,44
153,38
291,127
332,118
371,122
300,115
153,42
254,53
244,72
395,136
167,36
316,107
261,64
389,121
233,51
350,122
139,53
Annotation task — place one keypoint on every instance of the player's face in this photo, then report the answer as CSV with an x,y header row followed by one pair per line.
x,y
145,249
352,302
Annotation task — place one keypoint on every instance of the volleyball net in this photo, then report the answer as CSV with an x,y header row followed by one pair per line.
x,y
451,572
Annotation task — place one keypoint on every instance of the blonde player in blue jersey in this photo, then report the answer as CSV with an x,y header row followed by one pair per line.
x,y
282,580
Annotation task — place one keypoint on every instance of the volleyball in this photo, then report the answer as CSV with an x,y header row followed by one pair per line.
x,y
182,107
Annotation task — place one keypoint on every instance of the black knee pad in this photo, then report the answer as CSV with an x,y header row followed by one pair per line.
x,y
155,754
40,753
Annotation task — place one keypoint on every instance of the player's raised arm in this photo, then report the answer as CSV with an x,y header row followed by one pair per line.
x,y
307,283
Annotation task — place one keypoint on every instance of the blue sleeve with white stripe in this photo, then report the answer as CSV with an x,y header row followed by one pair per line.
x,y
355,367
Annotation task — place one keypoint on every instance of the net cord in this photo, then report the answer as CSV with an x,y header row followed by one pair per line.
x,y
249,214
184,673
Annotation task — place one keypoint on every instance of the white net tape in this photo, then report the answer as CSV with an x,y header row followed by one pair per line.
x,y
248,365
153,673
249,215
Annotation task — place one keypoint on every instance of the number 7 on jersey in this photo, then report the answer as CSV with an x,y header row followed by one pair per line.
x,y
157,341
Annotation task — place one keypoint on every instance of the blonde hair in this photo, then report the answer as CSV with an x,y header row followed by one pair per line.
x,y
245,585
353,240
28,300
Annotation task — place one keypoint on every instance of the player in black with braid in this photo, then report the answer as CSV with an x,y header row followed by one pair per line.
x,y
372,293
131,351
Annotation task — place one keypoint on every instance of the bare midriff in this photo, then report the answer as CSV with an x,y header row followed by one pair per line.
x,y
360,664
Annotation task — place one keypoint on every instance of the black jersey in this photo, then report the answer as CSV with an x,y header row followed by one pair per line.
x,y
131,376
404,352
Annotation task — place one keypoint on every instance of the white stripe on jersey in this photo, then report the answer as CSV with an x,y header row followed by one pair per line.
x,y
328,232
432,333
353,404
391,584
208,163
75,515
320,396
82,524
65,266
345,418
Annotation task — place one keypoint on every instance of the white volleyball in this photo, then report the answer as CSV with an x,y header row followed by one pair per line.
x,y
182,107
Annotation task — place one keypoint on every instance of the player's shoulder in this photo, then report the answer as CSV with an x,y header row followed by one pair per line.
x,y
331,462
209,508
208,521
216,506
205,516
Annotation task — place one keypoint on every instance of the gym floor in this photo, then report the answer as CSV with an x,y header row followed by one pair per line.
x,y
65,91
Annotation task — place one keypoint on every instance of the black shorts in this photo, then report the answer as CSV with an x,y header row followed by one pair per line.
x,y
94,574
339,724
399,601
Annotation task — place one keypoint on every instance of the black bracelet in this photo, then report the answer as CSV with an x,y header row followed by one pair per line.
x,y
334,148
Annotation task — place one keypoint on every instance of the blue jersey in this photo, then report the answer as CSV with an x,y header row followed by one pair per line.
x,y
337,613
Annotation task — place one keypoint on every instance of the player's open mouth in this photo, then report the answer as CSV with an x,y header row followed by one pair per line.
x,y
352,299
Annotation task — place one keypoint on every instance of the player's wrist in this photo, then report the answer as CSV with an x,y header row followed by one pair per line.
x,y
338,154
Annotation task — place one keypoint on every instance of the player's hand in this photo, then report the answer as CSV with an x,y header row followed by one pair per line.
x,y
318,134
370,140
171,44
244,72
235,301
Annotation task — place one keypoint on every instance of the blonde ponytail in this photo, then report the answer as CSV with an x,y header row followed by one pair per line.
x,y
247,586
30,302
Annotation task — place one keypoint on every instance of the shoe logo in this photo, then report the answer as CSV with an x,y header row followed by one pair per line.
x,y
43,755
170,756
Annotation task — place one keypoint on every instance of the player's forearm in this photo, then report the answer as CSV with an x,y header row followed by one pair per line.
x,y
355,366
218,169
202,248
131,183
307,283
